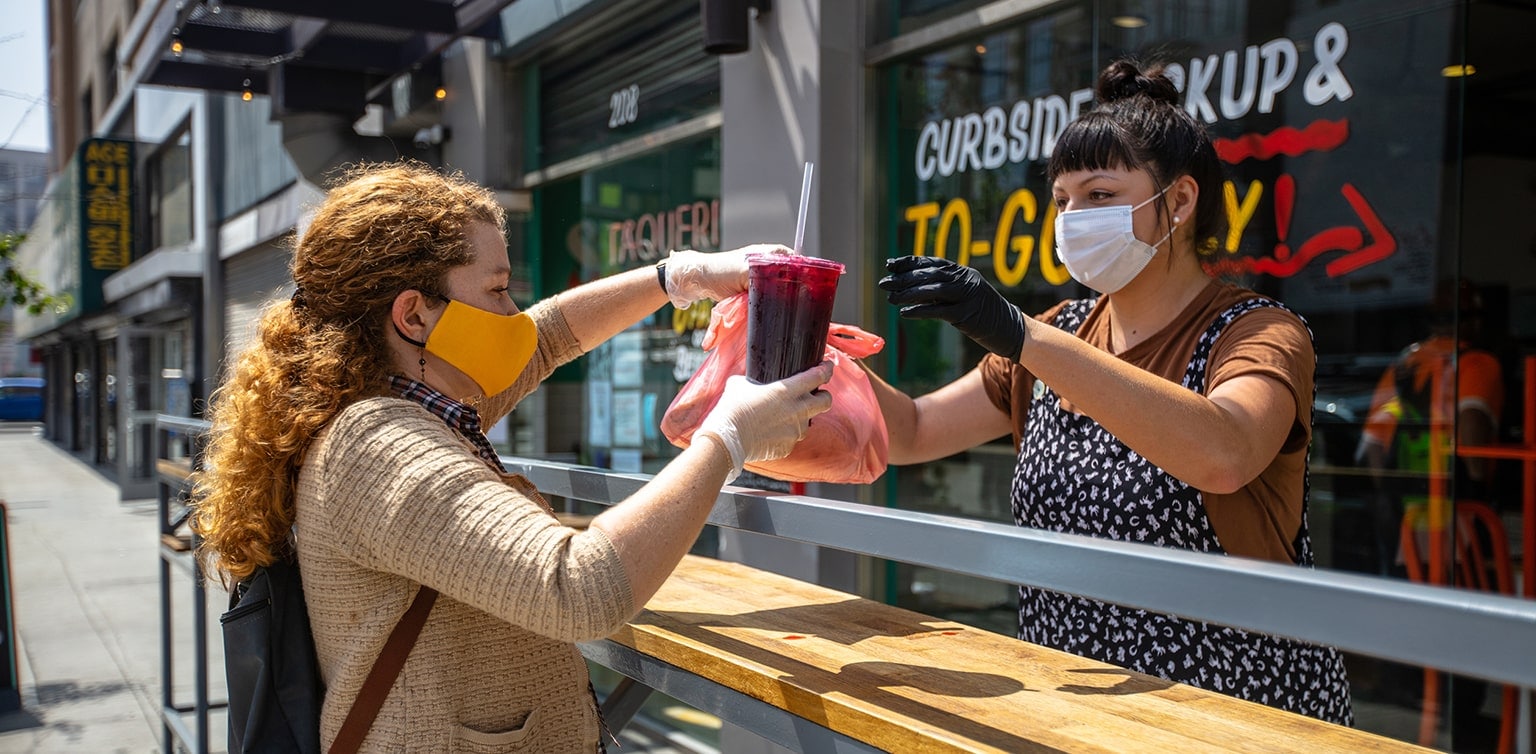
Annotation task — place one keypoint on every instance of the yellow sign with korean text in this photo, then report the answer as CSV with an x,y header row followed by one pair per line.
x,y
106,203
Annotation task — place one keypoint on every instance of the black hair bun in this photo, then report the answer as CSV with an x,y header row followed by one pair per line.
x,y
1124,79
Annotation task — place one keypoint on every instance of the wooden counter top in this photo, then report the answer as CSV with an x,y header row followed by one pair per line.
x,y
903,681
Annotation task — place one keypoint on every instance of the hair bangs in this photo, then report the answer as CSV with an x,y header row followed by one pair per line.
x,y
1096,142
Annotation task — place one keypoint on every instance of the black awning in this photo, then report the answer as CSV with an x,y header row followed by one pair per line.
x,y
307,55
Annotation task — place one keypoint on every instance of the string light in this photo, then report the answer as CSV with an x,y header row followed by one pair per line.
x,y
246,94
176,47
441,94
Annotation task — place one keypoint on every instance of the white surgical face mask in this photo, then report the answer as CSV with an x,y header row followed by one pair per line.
x,y
1100,248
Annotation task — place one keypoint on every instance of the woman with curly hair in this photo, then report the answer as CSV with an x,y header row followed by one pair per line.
x,y
349,436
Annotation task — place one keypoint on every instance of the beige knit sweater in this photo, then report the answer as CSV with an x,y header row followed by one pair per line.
x,y
390,498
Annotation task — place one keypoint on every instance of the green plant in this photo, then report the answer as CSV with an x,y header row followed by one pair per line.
x,y
16,288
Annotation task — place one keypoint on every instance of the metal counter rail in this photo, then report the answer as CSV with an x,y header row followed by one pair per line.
x,y
178,733
1380,617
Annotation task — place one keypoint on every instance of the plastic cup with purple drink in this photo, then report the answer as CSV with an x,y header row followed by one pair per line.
x,y
789,305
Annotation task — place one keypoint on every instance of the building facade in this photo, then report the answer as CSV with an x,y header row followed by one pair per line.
x,y
1380,182
23,178
151,187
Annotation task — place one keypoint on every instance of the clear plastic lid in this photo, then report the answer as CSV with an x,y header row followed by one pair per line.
x,y
762,257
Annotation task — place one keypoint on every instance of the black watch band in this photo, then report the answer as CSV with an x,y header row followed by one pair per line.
x,y
661,275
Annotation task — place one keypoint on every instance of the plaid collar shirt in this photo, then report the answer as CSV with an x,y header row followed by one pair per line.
x,y
459,417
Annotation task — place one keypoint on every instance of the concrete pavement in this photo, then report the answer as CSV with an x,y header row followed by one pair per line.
x,y
85,592
86,599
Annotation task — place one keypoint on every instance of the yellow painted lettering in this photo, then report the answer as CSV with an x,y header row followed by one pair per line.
x,y
1239,215
919,215
1054,273
1023,246
957,210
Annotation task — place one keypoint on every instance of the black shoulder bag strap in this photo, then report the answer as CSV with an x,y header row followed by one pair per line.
x,y
385,670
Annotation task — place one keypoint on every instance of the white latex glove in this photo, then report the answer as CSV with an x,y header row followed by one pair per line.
x,y
763,422
697,275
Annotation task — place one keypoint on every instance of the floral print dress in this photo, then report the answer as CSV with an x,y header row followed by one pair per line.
x,y
1073,476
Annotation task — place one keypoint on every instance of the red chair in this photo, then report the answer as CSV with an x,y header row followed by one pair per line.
x,y
1479,540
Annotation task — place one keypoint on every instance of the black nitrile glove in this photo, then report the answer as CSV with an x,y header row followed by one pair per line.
x,y
934,288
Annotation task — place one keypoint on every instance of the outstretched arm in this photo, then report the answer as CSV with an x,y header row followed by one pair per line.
x,y
603,308
1216,443
946,421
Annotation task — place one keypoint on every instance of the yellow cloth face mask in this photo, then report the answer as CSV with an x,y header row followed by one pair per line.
x,y
492,349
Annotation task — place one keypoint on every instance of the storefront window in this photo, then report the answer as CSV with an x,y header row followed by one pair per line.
x,y
170,193
106,402
175,389
625,165
614,218
1356,194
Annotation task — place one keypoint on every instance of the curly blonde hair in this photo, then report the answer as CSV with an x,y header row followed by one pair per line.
x,y
382,229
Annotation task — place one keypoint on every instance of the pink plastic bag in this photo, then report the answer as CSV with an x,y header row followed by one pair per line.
x,y
845,445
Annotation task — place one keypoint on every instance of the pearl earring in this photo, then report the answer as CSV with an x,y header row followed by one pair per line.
x,y
1175,219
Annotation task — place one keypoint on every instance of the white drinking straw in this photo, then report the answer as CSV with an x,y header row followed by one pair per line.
x,y
805,203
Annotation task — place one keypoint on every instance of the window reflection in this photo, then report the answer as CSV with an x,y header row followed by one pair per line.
x,y
170,193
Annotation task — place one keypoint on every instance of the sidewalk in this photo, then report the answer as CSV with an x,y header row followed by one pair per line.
x,y
85,586
85,591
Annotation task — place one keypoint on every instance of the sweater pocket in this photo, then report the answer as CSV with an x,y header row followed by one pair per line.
x,y
468,739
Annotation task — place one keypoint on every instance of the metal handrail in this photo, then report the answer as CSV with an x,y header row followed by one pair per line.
x,y
1374,616
181,424
178,733
1379,617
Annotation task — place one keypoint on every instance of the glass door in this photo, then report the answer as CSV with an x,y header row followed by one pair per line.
x,y
139,398
104,387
